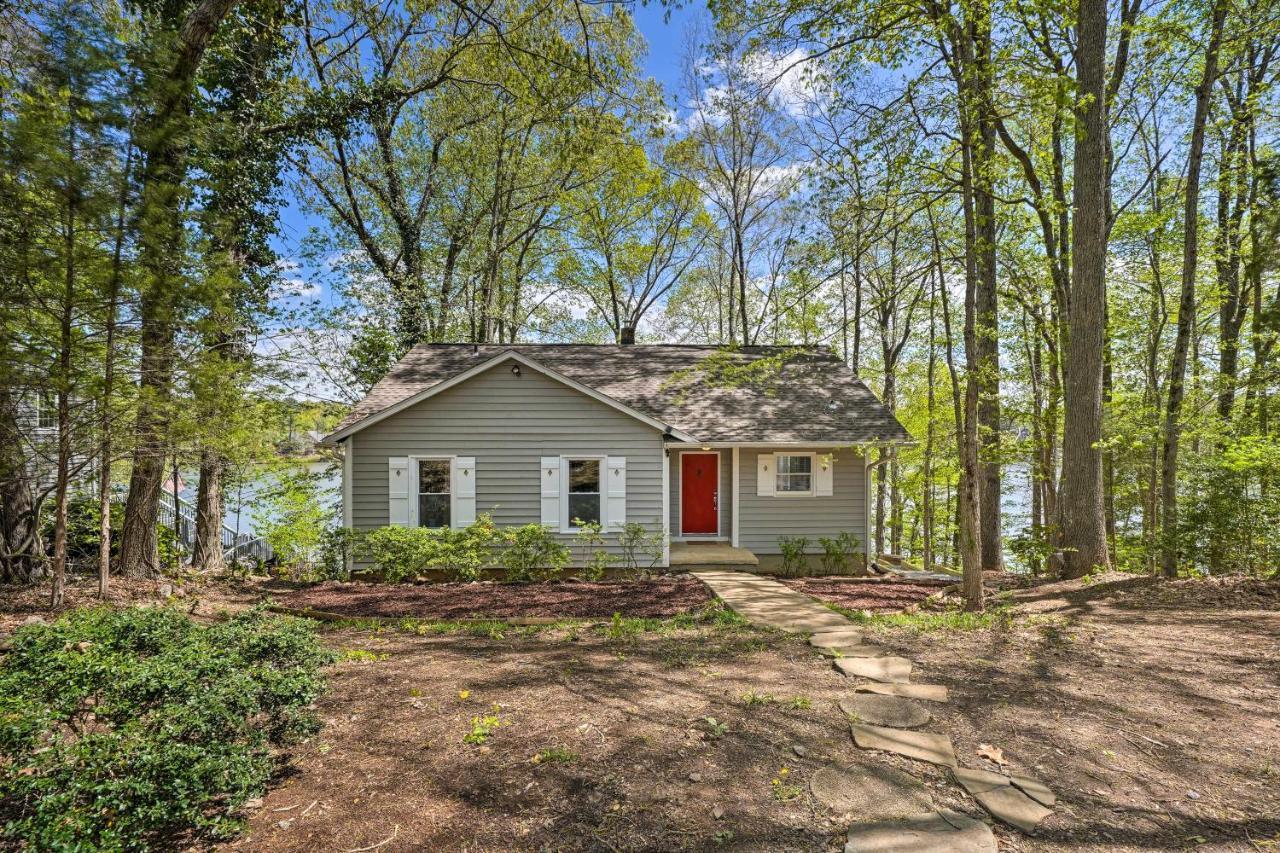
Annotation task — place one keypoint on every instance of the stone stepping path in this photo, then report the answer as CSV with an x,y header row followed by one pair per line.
x,y
922,746
885,711
837,639
892,670
764,602
943,831
1016,800
870,791
929,692
894,807
858,651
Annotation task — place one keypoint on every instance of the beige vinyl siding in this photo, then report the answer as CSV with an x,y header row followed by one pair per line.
x,y
726,491
761,520
508,423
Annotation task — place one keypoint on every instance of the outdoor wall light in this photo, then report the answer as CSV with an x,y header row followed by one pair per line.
x,y
515,370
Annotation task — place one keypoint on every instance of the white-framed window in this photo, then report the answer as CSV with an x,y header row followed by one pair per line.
x,y
793,474
583,491
46,412
434,487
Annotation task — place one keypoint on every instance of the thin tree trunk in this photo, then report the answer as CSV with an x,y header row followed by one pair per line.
x,y
1083,518
61,495
1187,300
105,423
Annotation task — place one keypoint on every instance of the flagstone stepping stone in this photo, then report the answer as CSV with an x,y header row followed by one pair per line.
x,y
885,710
1007,800
930,692
858,651
922,746
888,669
1036,790
832,639
870,791
943,831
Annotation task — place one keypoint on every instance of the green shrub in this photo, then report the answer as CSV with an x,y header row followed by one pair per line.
x,y
793,550
293,519
637,542
337,547
130,729
838,552
595,560
401,553
84,516
530,552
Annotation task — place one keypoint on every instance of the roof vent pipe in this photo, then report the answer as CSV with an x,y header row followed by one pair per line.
x,y
627,335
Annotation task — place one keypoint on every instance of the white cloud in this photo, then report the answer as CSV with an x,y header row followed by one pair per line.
x,y
294,288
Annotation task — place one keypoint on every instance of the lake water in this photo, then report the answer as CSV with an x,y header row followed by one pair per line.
x,y
242,503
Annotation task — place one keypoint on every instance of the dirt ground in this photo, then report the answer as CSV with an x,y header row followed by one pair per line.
x,y
873,596
1152,708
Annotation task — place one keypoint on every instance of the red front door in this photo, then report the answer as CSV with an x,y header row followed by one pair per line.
x,y
700,493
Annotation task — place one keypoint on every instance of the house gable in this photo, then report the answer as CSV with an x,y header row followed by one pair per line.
x,y
507,424
516,363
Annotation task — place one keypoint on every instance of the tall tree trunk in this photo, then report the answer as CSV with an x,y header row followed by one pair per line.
x,y
968,500
162,143
1084,536
207,553
987,335
1187,300
65,319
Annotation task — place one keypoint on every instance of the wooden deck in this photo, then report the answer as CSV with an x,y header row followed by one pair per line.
x,y
691,555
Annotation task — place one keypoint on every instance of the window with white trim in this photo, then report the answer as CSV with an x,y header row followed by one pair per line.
x,y
794,474
46,412
435,493
584,493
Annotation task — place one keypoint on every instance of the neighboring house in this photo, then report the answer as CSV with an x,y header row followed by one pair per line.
x,y
698,443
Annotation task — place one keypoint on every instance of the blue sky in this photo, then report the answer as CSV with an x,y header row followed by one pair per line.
x,y
666,41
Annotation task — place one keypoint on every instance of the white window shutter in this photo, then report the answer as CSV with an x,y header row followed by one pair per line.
x,y
398,491
464,491
766,481
824,475
616,490
550,474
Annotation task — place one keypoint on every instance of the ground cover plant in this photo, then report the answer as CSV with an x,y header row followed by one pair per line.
x,y
655,597
136,728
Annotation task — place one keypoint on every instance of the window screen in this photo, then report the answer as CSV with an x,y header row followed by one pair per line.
x,y
795,474
584,491
433,493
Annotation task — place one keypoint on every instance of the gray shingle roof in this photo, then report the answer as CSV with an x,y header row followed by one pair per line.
x,y
749,394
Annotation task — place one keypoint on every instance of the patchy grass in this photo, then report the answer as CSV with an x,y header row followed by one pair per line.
x,y
554,755
928,621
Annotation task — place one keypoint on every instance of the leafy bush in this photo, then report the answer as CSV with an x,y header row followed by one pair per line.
x,y
124,730
838,552
84,517
595,560
337,546
294,521
401,553
530,552
636,541
793,550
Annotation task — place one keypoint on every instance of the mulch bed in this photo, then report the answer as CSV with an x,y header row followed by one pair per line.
x,y
875,596
657,597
